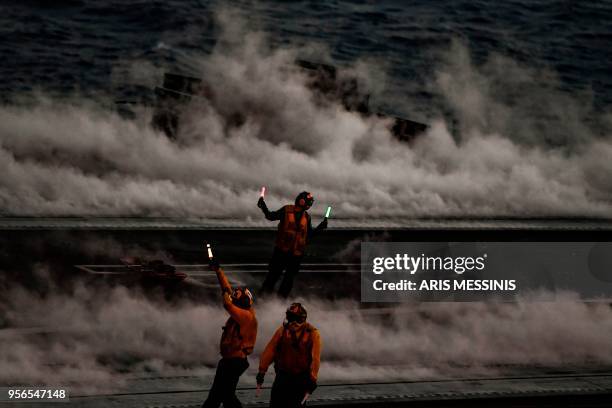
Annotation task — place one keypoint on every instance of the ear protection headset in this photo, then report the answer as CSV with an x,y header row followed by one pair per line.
x,y
296,313
304,199
242,297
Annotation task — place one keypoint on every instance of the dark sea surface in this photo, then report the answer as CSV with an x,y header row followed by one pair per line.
x,y
67,45
518,96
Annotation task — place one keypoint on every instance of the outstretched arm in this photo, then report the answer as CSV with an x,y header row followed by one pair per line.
x,y
270,215
240,315
314,231
322,225
226,288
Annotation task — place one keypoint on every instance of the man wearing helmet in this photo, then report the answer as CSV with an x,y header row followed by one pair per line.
x,y
295,349
237,342
294,229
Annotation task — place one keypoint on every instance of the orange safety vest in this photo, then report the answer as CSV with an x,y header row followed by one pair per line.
x,y
240,330
238,339
293,351
291,236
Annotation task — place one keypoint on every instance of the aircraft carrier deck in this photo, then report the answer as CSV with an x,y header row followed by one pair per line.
x,y
519,387
60,243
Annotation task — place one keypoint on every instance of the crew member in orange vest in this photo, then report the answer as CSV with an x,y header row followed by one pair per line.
x,y
295,349
237,342
294,230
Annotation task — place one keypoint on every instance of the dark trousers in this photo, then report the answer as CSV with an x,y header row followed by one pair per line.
x,y
281,261
288,390
224,385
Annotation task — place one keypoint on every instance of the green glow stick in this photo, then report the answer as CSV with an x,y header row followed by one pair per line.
x,y
328,212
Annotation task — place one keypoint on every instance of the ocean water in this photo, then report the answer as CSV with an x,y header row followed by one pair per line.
x,y
74,45
518,93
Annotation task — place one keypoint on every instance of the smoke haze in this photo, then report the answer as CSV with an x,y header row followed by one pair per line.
x,y
94,339
525,149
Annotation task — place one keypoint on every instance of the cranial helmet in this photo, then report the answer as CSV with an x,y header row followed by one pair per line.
x,y
296,313
304,200
242,297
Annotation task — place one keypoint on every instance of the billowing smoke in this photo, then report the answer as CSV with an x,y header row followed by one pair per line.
x,y
93,339
524,149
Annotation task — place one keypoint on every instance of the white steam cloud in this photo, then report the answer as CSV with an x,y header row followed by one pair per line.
x,y
93,340
67,157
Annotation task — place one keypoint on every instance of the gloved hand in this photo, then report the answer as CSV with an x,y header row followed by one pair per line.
x,y
260,378
261,203
323,224
310,385
214,264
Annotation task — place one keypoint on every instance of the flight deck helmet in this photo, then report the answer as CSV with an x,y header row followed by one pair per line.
x,y
296,313
242,297
304,200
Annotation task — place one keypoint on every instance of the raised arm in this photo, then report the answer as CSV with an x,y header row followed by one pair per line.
x,y
314,231
240,315
270,215
223,282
